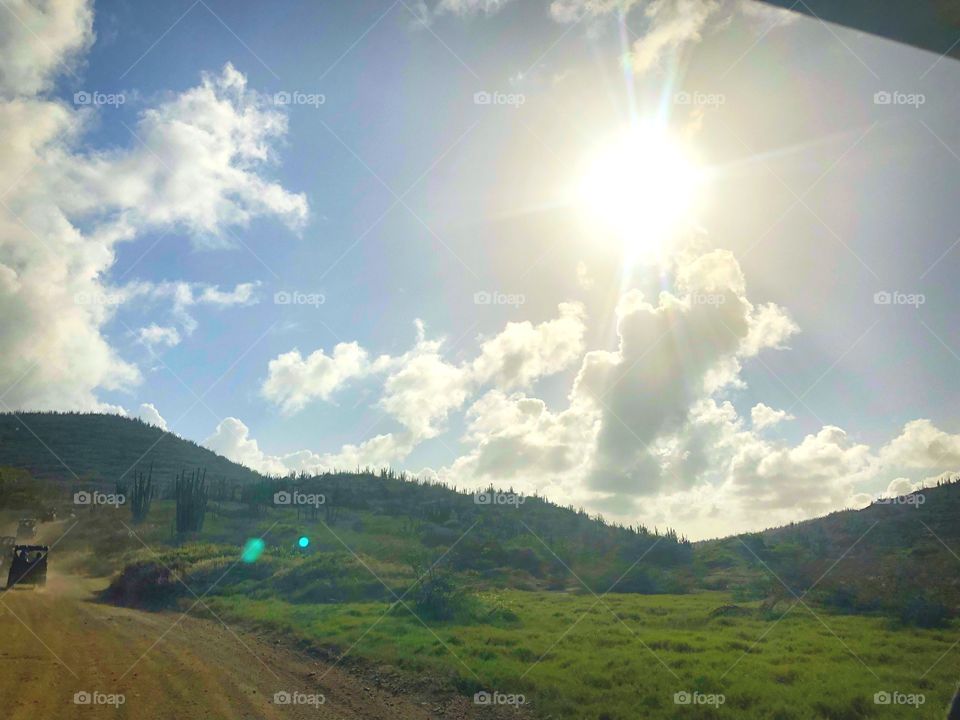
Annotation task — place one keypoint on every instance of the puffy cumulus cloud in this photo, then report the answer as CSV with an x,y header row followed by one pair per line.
x,y
194,168
902,486
38,40
517,439
232,439
524,352
921,444
149,414
155,335
378,451
293,381
762,416
421,387
817,475
424,388
646,389
770,327
54,355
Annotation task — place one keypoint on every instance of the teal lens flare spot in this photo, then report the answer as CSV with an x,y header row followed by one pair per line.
x,y
304,541
253,550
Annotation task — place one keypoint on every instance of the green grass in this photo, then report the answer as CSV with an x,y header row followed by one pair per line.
x,y
626,656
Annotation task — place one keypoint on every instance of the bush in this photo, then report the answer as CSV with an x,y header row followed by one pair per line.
x,y
924,611
144,584
437,597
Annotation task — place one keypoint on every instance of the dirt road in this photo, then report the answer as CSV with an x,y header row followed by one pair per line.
x,y
57,642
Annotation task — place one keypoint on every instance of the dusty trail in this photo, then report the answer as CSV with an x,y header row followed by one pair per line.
x,y
57,641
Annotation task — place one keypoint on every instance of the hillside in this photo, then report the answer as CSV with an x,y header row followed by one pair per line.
x,y
865,560
899,556
101,448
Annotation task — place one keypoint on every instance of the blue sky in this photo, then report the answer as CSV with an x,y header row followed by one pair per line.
x,y
399,198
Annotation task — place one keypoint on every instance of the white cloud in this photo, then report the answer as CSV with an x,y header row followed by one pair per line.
x,y
901,486
194,165
58,33
232,440
523,352
646,389
469,7
922,444
770,327
242,294
420,387
154,335
815,476
199,173
763,416
671,24
185,297
293,380
149,414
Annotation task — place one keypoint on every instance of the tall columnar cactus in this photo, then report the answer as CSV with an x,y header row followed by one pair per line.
x,y
191,494
142,496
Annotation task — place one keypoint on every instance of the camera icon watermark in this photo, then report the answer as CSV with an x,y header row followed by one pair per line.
x,y
895,97
492,497
84,497
294,697
700,99
498,698
714,299
295,297
698,698
884,297
485,97
298,498
95,697
914,499
899,698
296,97
97,98
486,297
97,298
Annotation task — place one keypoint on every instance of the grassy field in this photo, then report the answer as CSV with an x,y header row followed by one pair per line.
x,y
627,655
569,653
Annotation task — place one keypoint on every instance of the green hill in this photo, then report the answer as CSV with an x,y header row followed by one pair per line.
x,y
900,556
869,560
101,448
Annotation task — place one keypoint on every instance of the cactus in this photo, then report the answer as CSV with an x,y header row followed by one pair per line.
x,y
191,494
142,496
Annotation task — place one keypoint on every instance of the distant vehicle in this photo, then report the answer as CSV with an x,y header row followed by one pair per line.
x,y
27,528
28,566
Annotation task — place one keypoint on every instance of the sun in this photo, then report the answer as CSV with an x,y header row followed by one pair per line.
x,y
640,185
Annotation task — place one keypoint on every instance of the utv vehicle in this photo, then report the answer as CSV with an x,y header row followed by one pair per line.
x,y
27,528
28,566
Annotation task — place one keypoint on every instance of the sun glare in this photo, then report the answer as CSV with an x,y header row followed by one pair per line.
x,y
641,186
